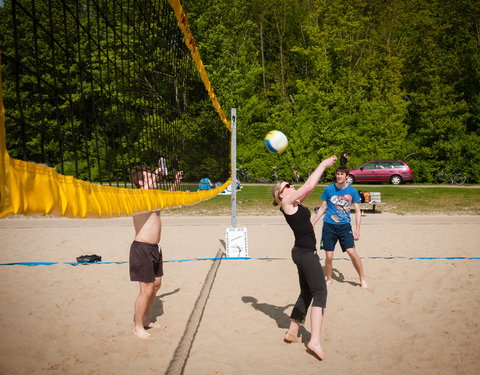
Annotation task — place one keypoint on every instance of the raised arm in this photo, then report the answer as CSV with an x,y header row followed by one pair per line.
x,y
176,182
306,189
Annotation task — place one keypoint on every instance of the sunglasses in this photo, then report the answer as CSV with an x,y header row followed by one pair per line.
x,y
287,186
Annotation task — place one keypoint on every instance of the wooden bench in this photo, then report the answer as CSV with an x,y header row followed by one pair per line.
x,y
375,200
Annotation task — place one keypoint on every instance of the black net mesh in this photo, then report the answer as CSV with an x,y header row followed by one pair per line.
x,y
95,88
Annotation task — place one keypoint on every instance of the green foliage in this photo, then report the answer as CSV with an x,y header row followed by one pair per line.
x,y
95,88
257,200
373,78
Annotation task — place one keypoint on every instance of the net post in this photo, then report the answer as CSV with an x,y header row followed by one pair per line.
x,y
234,167
235,238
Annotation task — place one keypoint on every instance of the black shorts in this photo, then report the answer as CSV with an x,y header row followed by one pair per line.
x,y
331,233
145,262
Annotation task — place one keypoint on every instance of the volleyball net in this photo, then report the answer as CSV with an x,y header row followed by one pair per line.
x,y
93,89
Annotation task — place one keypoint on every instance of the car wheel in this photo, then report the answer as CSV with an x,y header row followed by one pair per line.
x,y
396,179
350,179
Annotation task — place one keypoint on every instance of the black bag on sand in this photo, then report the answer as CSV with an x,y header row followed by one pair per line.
x,y
89,258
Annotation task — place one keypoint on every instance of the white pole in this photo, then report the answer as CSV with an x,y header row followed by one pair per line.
x,y
234,167
235,238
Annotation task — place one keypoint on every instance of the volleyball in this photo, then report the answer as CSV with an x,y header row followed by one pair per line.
x,y
276,141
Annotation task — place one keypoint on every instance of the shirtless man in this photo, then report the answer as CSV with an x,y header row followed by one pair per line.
x,y
145,261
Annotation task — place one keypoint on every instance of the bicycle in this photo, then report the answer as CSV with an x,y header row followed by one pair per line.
x,y
242,174
450,176
274,174
295,174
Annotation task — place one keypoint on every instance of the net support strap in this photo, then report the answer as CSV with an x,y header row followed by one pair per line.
x,y
190,43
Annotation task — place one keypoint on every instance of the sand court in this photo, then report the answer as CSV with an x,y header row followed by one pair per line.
x,y
419,316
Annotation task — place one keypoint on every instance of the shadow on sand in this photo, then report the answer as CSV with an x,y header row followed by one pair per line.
x,y
277,313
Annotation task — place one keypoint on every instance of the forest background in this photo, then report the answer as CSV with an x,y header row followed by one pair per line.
x,y
376,79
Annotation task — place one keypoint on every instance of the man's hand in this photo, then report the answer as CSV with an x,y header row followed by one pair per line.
x,y
177,180
179,176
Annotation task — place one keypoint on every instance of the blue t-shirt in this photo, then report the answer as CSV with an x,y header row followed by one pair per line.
x,y
339,203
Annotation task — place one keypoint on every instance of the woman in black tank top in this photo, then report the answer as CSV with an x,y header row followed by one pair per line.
x,y
313,289
303,232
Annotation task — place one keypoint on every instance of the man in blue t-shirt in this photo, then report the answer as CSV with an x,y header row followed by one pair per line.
x,y
338,199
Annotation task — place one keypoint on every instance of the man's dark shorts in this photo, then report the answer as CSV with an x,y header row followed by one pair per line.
x,y
331,233
145,262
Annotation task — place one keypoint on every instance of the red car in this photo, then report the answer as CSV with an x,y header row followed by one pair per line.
x,y
393,171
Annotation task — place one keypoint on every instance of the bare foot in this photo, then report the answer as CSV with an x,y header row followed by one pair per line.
x,y
290,337
151,325
364,284
316,349
141,333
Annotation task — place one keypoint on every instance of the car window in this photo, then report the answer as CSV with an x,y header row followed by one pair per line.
x,y
369,166
384,165
398,164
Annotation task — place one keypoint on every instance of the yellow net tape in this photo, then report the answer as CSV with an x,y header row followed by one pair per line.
x,y
3,148
33,189
190,43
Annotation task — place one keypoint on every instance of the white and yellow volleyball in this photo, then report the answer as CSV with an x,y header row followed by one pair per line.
x,y
276,141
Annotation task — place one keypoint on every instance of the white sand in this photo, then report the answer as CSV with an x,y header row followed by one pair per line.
x,y
417,317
